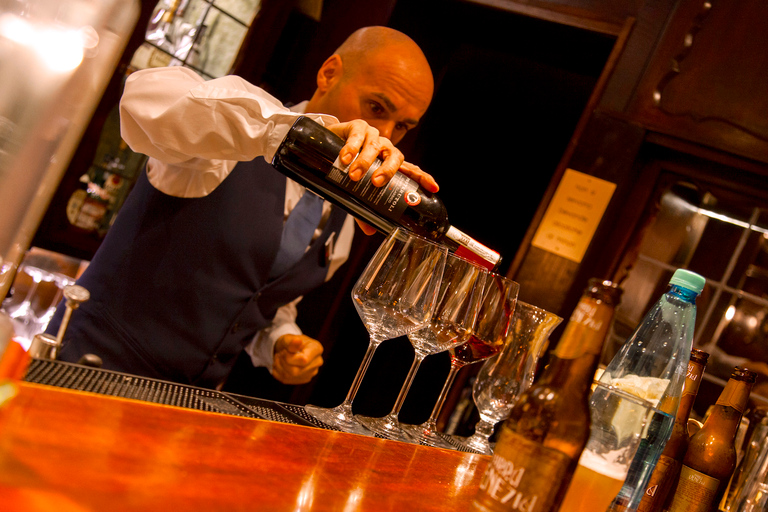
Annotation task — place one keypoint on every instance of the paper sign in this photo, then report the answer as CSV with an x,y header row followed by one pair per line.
x,y
572,217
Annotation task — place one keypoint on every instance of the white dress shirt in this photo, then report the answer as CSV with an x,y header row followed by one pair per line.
x,y
195,132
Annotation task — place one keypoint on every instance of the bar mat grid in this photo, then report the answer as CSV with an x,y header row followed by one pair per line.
x,y
107,382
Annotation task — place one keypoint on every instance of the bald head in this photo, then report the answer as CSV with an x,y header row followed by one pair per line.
x,y
380,75
369,43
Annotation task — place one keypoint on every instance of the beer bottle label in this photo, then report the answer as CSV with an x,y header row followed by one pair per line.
x,y
734,396
664,476
695,491
692,378
586,330
523,476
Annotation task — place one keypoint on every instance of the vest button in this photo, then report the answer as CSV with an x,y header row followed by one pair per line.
x,y
236,327
256,296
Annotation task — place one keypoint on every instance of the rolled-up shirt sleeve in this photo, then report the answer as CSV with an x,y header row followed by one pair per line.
x,y
195,131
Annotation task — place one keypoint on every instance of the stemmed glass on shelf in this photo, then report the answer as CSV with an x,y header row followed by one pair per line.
x,y
486,338
23,314
510,372
456,310
395,295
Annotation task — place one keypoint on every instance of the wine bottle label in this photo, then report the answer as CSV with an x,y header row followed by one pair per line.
x,y
522,476
585,331
665,474
695,491
390,200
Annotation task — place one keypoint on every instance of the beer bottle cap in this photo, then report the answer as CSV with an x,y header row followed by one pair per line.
x,y
687,279
744,375
699,356
604,290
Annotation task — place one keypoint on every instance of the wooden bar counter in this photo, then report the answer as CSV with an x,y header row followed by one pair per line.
x,y
73,451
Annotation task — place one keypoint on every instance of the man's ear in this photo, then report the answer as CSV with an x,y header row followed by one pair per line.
x,y
329,73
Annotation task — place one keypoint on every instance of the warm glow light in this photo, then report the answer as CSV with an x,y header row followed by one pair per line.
x,y
752,322
353,500
730,312
306,495
60,49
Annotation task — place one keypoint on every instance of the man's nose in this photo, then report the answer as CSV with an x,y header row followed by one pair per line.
x,y
386,129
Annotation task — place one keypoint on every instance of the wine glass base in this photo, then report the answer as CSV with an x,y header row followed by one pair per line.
x,y
425,436
340,417
385,427
478,444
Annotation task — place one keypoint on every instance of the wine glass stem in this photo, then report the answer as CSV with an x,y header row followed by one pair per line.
x,y
484,428
406,386
372,346
444,392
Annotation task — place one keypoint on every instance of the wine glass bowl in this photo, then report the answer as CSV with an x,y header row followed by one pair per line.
x,y
507,374
456,308
394,295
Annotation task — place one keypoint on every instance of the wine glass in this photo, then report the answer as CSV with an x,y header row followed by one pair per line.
x,y
507,374
42,321
23,315
456,310
487,337
395,294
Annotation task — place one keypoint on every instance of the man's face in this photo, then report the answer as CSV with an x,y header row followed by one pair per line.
x,y
383,94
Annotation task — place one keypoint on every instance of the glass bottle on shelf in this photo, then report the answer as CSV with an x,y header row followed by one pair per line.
x,y
711,455
548,427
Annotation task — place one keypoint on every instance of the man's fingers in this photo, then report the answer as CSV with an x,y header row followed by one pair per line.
x,y
423,178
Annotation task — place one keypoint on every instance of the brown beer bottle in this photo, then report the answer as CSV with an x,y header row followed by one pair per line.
x,y
541,441
711,454
667,469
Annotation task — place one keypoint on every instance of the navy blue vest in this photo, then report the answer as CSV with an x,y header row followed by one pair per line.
x,y
179,286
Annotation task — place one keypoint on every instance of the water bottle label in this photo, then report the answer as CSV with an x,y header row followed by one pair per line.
x,y
695,491
391,200
522,476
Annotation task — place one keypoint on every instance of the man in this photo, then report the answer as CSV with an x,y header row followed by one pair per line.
x,y
183,281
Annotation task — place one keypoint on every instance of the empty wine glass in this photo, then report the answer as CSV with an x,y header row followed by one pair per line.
x,y
395,294
487,337
23,314
507,374
455,313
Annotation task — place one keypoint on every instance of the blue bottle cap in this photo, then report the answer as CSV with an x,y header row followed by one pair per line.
x,y
688,279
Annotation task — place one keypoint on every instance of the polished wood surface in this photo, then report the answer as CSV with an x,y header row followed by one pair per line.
x,y
63,451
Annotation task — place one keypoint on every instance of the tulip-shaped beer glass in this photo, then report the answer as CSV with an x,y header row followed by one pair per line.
x,y
509,373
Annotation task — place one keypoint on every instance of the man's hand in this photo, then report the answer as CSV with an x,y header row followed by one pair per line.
x,y
297,359
364,139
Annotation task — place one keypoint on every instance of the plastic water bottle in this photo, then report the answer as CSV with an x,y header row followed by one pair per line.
x,y
634,403
657,353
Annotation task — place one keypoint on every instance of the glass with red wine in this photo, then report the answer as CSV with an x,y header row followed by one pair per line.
x,y
486,338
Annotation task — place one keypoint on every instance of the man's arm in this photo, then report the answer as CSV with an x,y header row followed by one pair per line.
x,y
274,347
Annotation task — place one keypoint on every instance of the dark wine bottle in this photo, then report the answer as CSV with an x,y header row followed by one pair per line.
x,y
309,155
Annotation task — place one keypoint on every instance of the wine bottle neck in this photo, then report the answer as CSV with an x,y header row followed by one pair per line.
x,y
469,248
